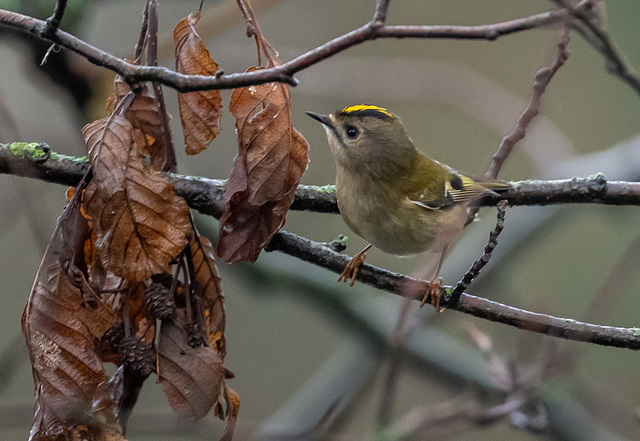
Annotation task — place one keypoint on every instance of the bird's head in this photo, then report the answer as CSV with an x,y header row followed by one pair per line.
x,y
367,139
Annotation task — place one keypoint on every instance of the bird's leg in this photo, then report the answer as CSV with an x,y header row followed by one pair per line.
x,y
351,270
434,290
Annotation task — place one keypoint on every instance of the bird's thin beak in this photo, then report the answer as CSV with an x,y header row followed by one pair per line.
x,y
324,119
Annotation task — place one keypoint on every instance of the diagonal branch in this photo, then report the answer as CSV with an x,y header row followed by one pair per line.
x,y
599,37
25,160
319,254
543,78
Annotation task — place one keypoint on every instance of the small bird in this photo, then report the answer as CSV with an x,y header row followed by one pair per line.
x,y
391,194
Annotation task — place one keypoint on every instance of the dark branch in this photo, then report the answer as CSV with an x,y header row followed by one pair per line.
x,y
319,254
477,266
283,73
33,160
37,160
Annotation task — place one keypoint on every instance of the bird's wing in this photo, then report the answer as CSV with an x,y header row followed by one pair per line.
x,y
458,189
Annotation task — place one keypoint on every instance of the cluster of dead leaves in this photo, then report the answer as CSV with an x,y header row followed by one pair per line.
x,y
272,155
128,280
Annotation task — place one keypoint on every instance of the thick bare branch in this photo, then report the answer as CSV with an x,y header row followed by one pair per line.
x,y
206,196
37,160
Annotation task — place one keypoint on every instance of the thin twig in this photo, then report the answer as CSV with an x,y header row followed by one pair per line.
x,y
543,77
142,37
474,271
170,162
52,24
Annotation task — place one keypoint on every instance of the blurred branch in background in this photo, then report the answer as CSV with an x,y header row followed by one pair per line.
x,y
593,25
62,69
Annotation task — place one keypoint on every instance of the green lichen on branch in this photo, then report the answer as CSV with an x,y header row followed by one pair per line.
x,y
31,150
31,160
39,151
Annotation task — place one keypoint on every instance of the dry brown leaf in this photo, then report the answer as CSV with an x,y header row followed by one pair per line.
x,y
61,329
139,224
146,119
200,112
231,415
207,286
190,377
272,158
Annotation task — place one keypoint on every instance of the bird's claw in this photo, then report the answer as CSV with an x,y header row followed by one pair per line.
x,y
433,294
352,268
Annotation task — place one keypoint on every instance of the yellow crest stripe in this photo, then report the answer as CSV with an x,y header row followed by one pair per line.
x,y
361,107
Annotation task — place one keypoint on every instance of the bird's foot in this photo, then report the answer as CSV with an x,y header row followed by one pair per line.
x,y
433,294
350,271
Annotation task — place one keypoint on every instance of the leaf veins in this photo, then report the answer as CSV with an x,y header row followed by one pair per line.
x,y
200,112
271,160
139,224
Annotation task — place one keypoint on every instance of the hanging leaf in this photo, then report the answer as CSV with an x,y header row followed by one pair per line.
x,y
272,158
231,414
139,224
61,329
200,112
207,286
190,377
145,116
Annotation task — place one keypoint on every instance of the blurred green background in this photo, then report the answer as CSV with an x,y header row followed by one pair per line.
x,y
296,339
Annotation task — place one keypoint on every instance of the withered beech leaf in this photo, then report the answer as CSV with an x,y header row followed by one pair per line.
x,y
207,286
200,112
190,377
272,158
61,329
231,414
147,121
139,224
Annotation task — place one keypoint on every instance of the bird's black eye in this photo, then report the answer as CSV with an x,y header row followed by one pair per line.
x,y
352,132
